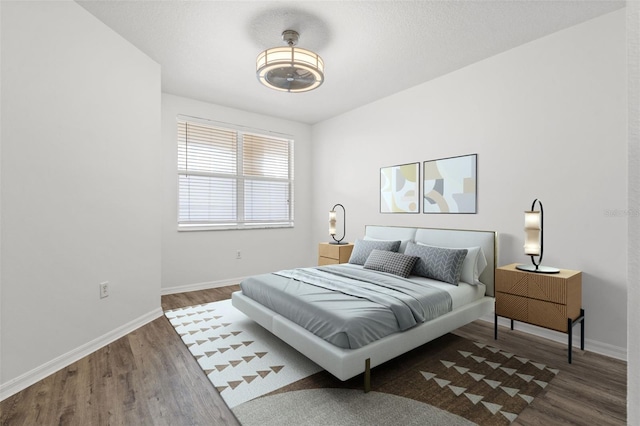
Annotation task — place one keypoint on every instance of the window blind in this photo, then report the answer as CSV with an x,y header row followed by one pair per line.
x,y
233,179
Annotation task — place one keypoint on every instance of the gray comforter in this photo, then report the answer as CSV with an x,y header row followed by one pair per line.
x,y
346,306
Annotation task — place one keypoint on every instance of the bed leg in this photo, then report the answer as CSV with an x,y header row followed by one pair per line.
x,y
367,375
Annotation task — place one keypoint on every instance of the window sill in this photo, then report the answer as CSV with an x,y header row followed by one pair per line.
x,y
195,228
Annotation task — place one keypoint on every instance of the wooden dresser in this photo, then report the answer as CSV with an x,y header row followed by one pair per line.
x,y
330,254
553,301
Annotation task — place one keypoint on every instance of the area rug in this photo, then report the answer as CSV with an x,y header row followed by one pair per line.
x,y
449,381
240,358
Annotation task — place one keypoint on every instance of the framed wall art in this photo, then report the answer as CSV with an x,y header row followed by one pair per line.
x,y
450,185
400,189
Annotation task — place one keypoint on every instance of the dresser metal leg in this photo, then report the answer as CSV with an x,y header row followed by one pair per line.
x,y
570,328
570,324
495,326
582,329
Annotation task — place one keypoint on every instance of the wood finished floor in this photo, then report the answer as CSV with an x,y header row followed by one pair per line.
x,y
149,377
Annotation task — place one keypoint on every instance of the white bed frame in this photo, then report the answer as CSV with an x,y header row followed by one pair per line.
x,y
347,363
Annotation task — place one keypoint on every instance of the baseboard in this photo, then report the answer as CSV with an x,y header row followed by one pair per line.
x,y
200,286
590,345
29,378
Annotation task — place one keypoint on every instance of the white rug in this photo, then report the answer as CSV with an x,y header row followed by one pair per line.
x,y
242,359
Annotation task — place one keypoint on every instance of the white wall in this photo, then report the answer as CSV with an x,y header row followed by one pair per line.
x,y
547,120
633,332
80,174
200,259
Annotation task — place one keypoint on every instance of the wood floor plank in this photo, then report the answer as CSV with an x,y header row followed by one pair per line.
x,y
149,377
592,390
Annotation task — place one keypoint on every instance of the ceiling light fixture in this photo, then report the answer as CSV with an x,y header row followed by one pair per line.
x,y
290,69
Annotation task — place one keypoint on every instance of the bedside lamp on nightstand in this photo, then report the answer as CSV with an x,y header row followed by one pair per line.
x,y
524,293
332,224
534,241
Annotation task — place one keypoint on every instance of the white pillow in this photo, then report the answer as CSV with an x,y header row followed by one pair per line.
x,y
403,243
473,264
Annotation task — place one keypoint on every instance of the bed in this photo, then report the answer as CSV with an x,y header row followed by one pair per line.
x,y
346,356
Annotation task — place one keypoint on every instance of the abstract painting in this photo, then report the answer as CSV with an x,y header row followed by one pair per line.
x,y
450,185
400,189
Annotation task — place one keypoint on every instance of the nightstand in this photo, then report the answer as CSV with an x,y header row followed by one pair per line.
x,y
331,254
552,301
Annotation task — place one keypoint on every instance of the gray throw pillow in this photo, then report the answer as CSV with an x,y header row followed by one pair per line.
x,y
391,262
438,263
362,249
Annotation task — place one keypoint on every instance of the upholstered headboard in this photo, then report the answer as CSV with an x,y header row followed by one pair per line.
x,y
452,238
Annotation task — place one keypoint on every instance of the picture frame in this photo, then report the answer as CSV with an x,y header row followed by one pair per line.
x,y
450,185
400,188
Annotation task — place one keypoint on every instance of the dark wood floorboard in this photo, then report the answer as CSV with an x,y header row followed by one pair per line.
x,y
592,390
149,378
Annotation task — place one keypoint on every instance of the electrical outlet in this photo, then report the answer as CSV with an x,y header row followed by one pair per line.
x,y
104,289
238,254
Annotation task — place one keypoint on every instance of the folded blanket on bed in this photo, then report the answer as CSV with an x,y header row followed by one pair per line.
x,y
347,306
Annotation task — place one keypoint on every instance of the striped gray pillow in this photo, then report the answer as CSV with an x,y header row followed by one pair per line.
x,y
391,262
362,249
438,263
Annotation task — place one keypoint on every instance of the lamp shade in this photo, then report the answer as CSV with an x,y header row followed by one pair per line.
x,y
532,220
534,240
532,227
332,222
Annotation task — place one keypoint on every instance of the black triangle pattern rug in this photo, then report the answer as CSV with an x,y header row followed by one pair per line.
x,y
477,382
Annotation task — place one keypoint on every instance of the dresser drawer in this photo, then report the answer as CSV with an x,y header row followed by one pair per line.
x,y
329,254
549,315
329,250
327,261
557,288
511,306
532,311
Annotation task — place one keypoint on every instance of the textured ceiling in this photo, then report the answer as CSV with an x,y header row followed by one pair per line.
x,y
371,49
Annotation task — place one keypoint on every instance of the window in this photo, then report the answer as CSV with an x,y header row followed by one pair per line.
x,y
233,179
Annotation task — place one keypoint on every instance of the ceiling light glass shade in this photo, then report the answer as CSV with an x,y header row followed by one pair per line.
x,y
290,69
